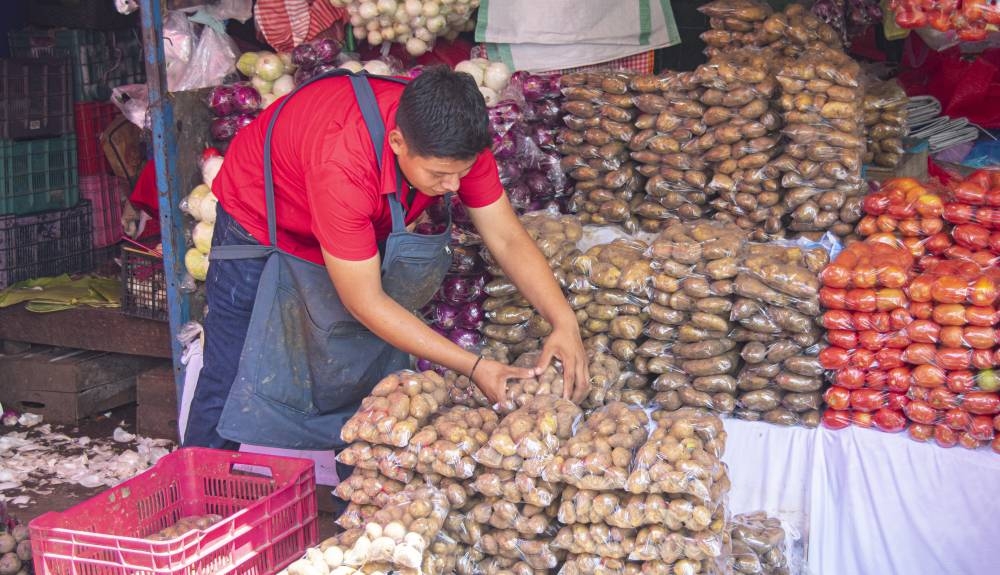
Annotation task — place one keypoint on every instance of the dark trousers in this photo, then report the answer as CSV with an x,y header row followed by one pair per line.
x,y
231,288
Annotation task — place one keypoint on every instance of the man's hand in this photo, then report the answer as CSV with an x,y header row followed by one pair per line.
x,y
565,345
491,378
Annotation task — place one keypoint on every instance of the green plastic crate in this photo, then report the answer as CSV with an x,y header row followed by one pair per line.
x,y
101,59
37,175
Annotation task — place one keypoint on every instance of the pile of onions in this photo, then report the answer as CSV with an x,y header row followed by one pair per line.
x,y
269,73
413,23
524,142
491,77
234,107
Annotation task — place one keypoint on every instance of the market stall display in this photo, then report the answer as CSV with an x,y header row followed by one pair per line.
x,y
971,19
413,23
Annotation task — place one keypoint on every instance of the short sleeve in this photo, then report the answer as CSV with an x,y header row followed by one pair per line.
x,y
342,209
481,186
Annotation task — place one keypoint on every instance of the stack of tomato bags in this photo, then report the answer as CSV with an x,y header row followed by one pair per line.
x,y
925,356
971,19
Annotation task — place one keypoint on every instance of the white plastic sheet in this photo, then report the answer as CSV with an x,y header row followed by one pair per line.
x,y
870,502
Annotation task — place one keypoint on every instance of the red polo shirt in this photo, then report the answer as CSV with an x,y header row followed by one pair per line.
x,y
328,190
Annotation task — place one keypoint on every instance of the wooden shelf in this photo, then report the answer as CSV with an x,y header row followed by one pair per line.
x,y
87,328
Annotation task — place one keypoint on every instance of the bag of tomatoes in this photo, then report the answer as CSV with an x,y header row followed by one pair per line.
x,y
975,200
903,206
964,411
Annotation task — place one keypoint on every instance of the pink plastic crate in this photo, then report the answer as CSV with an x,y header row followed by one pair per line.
x,y
268,504
105,192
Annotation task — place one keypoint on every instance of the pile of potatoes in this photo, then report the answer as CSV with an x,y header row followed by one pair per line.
x,y
691,354
474,562
368,487
610,287
536,553
667,144
740,24
512,326
185,525
742,137
527,520
758,545
776,308
822,109
392,462
600,123
445,446
599,454
515,487
398,405
527,439
885,122
635,510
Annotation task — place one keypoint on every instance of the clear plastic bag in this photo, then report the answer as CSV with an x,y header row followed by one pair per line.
x,y
516,487
445,447
525,519
397,407
632,511
213,58
367,487
599,454
536,553
597,539
758,545
527,439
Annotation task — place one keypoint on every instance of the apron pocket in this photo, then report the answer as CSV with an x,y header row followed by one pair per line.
x,y
356,360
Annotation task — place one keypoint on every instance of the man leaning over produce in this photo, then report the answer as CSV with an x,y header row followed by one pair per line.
x,y
297,337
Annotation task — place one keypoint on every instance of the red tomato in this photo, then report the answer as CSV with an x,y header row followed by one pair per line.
x,y
897,401
842,338
972,236
876,379
952,358
981,428
961,381
889,420
899,319
949,314
951,336
957,419
989,217
832,298
995,444
923,331
835,276
958,253
888,299
944,436
876,204
889,358
981,402
969,192
921,412
897,340
867,400
837,397
993,197
836,419
833,357
965,439
928,376
862,419
983,291
880,322
871,340
892,276
850,378
909,227
981,316
863,320
996,423
940,398
983,359
978,337
837,319
920,353
984,258
995,242
958,213
919,393
931,226
864,276
922,310
921,288
867,226
898,379
863,359
929,205
938,243
860,299
949,289
920,432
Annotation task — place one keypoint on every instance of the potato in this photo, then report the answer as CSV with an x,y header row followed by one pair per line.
x,y
599,454
515,487
537,553
599,539
365,487
529,437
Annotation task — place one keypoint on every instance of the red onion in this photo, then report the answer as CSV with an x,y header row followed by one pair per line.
x,y
304,55
223,129
327,50
519,196
460,289
470,316
510,172
465,260
444,315
243,120
245,98
220,100
466,339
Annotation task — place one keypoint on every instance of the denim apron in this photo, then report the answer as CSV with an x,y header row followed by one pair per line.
x,y
307,362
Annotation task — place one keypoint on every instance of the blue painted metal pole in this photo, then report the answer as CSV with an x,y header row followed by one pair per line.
x,y
168,181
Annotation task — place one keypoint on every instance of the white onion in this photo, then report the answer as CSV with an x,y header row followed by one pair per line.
x,y
269,66
286,61
497,76
431,9
368,10
261,85
400,16
416,47
210,169
375,37
372,25
417,22
207,208
196,264
378,68
436,24
424,34
388,34
352,65
202,237
481,62
386,6
414,7
357,21
471,69
283,85
385,21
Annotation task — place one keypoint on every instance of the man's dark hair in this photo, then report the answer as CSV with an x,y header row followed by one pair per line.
x,y
442,114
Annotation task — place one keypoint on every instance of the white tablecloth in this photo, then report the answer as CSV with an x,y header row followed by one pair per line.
x,y
866,502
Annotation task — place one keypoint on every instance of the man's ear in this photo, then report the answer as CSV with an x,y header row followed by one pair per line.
x,y
397,142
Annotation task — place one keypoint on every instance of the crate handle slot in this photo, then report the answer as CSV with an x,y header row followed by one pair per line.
x,y
262,471
32,405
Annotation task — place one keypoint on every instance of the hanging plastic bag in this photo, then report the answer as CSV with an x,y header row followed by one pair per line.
x,y
213,58
178,43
